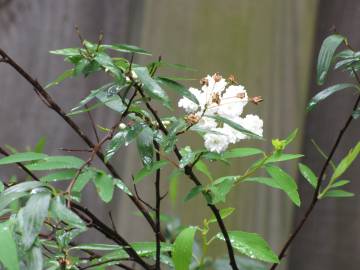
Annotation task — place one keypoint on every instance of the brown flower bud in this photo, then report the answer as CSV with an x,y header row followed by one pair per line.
x,y
204,81
232,79
256,100
215,98
192,119
217,77
241,95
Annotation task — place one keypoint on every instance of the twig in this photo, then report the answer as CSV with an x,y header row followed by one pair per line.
x,y
112,221
157,210
320,179
138,196
93,125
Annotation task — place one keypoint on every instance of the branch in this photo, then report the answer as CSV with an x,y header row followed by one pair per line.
x,y
47,99
320,179
157,210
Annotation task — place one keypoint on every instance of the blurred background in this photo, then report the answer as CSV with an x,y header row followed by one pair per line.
x,y
270,46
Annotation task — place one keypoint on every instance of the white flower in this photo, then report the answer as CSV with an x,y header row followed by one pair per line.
x,y
206,123
216,142
188,105
252,123
233,101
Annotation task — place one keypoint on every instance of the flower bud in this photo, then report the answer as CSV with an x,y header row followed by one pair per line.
x,y
122,126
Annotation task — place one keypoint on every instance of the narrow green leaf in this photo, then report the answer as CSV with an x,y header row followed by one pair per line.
x,y
22,157
105,186
40,145
220,188
327,92
83,179
67,74
340,183
284,182
193,192
224,213
338,193
121,185
109,97
8,251
59,210
34,259
56,163
327,50
145,146
58,176
182,250
151,87
32,216
278,157
17,191
149,170
125,48
346,162
123,137
174,185
251,245
241,152
107,63
178,88
203,168
308,174
236,126
67,52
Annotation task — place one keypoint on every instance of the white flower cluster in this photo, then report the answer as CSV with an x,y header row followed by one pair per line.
x,y
218,97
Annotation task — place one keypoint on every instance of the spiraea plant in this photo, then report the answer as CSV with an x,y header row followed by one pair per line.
x,y
40,222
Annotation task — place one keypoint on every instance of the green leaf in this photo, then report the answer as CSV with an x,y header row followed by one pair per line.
x,y
308,174
224,213
149,170
327,92
123,137
193,192
241,152
121,185
106,62
125,48
34,259
340,183
278,157
83,179
17,191
220,188
58,176
178,88
67,74
203,168
145,146
183,248
59,210
8,252
2,187
105,186
236,126
173,185
356,113
32,216
40,145
188,156
252,245
346,162
55,163
22,157
67,52
151,87
338,193
327,50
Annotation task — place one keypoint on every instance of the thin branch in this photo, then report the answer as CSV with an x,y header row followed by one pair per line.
x,y
47,99
93,125
320,179
157,210
143,201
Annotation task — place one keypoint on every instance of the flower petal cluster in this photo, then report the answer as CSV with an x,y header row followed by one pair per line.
x,y
226,99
